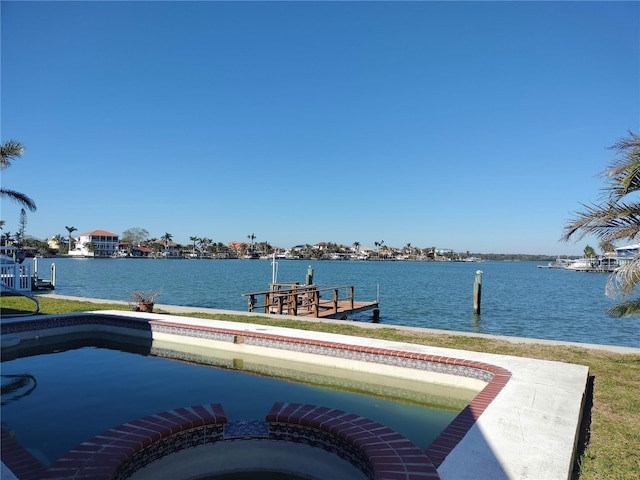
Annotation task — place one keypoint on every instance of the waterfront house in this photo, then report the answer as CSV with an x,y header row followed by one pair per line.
x,y
98,243
625,254
166,249
126,250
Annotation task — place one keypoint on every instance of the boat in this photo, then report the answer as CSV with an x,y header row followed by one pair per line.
x,y
559,263
592,264
582,264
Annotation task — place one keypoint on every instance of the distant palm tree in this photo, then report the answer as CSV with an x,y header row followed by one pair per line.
x,y
9,151
607,247
205,244
616,217
167,238
6,238
70,230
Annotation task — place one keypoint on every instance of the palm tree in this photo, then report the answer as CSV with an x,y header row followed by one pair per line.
x,y
205,244
194,240
5,238
616,217
9,151
70,230
167,238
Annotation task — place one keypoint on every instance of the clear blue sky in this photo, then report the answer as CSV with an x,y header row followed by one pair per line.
x,y
475,126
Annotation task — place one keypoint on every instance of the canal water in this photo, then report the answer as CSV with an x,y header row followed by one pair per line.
x,y
518,298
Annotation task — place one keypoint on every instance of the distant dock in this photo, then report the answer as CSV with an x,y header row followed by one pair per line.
x,y
308,301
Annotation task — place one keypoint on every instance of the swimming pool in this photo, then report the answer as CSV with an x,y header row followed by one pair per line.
x,y
80,386
474,435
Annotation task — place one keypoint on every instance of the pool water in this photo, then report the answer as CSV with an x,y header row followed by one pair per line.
x,y
66,394
262,475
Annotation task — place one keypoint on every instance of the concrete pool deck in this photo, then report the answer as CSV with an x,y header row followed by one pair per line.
x,y
528,431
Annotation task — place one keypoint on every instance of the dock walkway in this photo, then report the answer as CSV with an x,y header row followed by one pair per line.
x,y
307,301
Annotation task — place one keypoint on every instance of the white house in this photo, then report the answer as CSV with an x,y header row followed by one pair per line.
x,y
98,243
627,253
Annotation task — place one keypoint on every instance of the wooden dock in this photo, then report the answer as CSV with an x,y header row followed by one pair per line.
x,y
308,301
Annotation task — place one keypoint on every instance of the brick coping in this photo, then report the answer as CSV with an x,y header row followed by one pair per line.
x,y
436,452
378,451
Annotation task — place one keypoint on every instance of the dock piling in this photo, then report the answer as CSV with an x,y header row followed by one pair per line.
x,y
477,292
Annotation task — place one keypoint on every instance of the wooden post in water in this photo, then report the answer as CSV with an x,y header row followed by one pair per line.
x,y
477,292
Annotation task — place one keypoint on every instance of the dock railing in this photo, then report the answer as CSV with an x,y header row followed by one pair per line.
x,y
295,299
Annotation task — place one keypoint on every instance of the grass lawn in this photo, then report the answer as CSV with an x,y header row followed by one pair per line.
x,y
613,452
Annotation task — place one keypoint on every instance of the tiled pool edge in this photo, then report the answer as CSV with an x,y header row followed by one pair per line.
x,y
497,377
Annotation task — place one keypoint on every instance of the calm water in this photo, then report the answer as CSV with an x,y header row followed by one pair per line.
x,y
518,299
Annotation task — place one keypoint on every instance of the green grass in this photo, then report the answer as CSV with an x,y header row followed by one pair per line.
x,y
614,449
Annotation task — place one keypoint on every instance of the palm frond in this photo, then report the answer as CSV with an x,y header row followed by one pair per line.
x,y
623,281
625,309
19,197
8,151
608,222
624,172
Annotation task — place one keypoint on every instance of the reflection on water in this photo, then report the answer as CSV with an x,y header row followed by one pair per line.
x,y
16,386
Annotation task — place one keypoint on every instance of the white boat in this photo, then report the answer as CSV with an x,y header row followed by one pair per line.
x,y
581,264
